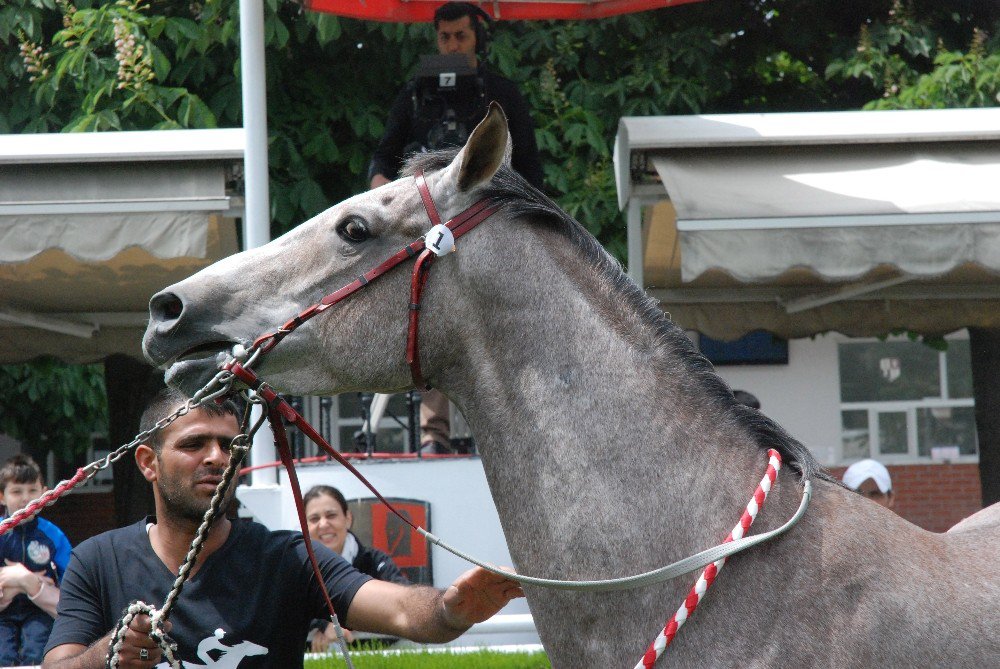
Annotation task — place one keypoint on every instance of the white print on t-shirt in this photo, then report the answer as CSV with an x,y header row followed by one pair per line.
x,y
228,657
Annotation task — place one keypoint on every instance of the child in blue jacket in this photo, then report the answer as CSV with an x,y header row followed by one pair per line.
x,y
35,555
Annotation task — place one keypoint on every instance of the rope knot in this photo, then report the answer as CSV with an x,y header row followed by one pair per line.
x,y
158,634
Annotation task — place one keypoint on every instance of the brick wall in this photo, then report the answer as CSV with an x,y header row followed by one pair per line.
x,y
933,496
81,515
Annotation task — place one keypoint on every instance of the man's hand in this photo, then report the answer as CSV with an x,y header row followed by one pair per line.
x,y
95,656
136,641
476,596
327,637
378,180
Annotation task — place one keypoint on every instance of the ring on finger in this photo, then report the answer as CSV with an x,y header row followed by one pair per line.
x,y
143,654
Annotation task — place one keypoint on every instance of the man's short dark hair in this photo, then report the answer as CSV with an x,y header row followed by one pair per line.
x,y
452,11
169,400
20,468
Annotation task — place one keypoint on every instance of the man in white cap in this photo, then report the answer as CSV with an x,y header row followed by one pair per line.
x,y
871,479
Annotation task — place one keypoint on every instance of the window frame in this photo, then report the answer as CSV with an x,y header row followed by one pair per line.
x,y
909,407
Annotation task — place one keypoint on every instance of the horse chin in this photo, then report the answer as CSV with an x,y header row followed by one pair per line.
x,y
190,376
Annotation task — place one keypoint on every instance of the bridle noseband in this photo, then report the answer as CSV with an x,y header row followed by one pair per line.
x,y
439,241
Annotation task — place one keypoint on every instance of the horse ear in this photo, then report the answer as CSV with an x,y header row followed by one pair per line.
x,y
487,149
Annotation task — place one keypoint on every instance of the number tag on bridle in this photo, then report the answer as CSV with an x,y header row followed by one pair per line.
x,y
440,240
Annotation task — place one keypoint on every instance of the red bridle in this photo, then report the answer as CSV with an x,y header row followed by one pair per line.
x,y
428,248
459,225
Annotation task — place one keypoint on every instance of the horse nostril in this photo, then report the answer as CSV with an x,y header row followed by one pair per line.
x,y
165,307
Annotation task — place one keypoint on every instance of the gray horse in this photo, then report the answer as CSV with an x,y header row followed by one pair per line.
x,y
610,445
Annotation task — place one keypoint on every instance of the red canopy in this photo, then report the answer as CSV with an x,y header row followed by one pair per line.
x,y
413,11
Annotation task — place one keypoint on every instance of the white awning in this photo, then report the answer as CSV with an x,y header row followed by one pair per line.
x,y
796,223
92,224
100,237
850,186
84,310
840,254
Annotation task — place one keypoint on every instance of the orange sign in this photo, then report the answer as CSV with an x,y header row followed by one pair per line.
x,y
376,526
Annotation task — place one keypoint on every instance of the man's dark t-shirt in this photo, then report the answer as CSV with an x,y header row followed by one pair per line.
x,y
252,600
401,129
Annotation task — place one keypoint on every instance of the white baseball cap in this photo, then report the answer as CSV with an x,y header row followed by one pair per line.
x,y
863,470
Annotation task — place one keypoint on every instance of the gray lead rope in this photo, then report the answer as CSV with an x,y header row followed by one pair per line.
x,y
688,564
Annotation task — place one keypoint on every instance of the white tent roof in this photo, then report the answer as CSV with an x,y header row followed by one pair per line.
x,y
125,146
784,210
92,224
662,135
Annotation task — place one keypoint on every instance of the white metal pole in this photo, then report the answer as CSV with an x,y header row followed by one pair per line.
x,y
633,221
256,221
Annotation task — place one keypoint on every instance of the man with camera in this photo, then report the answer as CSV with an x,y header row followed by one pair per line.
x,y
438,109
425,116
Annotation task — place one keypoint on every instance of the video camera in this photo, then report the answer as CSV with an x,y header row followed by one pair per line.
x,y
449,99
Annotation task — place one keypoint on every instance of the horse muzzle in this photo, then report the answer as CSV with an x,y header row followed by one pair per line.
x,y
190,356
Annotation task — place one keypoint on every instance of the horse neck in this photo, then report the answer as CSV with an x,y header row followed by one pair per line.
x,y
582,411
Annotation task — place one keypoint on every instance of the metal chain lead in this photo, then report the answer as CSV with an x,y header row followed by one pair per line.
x,y
223,379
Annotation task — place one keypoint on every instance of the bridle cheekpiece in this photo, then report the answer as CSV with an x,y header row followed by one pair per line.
x,y
439,241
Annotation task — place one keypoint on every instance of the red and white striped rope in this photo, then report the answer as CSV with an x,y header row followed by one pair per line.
x,y
47,499
669,631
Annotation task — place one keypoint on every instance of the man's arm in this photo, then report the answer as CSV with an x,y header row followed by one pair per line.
x,y
426,614
80,634
388,156
78,656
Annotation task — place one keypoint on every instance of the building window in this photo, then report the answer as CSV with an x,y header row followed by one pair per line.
x,y
338,419
904,401
756,348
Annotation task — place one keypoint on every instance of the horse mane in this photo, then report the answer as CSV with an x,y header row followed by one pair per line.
x,y
519,199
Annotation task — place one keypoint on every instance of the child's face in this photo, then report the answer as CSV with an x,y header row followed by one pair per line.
x,y
15,496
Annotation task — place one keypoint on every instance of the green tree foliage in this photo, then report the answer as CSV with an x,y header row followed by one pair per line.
x,y
577,91
132,65
48,405
914,64
107,61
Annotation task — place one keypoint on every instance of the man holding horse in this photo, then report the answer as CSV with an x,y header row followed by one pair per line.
x,y
252,593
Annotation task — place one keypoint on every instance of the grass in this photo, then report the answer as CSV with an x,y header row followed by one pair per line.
x,y
422,659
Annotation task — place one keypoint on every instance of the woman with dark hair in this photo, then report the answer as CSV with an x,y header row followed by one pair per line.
x,y
329,522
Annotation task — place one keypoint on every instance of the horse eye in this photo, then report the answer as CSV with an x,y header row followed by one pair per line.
x,y
353,229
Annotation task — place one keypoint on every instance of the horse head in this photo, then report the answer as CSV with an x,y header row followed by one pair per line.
x,y
194,324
